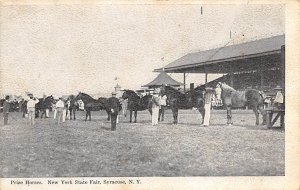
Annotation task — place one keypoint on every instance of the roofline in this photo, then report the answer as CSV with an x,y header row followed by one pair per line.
x,y
168,69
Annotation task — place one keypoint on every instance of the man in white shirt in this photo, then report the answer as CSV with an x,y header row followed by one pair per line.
x,y
59,110
31,109
163,104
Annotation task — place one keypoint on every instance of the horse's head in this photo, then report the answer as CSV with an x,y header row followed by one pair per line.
x,y
127,93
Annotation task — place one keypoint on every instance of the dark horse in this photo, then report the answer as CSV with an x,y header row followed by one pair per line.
x,y
178,100
91,104
136,103
40,107
72,106
237,99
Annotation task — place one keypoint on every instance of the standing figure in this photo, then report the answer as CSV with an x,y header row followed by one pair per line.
x,y
155,108
162,107
114,106
124,107
279,100
31,109
6,107
218,95
207,106
59,110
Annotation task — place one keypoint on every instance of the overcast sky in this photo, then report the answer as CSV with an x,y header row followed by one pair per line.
x,y
64,49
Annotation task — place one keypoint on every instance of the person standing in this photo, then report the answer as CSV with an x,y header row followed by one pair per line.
x,y
162,107
208,95
279,99
218,95
6,107
114,107
59,110
155,108
31,109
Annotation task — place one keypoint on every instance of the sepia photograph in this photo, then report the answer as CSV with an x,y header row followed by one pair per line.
x,y
115,90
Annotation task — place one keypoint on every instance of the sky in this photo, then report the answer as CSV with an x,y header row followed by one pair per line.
x,y
64,49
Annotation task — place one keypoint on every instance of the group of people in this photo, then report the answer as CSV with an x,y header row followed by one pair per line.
x,y
159,104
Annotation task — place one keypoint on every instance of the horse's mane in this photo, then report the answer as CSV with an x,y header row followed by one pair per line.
x,y
174,90
226,87
131,92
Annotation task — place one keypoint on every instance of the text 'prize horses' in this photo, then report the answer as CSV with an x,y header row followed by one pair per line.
x,y
91,104
136,103
177,100
238,99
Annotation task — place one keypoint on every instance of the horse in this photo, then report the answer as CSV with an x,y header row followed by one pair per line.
x,y
42,105
177,100
136,103
91,104
232,98
72,106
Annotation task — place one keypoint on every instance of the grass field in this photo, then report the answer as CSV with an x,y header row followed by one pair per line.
x,y
79,148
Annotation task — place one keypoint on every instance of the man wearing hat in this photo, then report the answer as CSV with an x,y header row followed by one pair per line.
x,y
278,101
59,110
155,107
208,95
6,107
114,107
31,109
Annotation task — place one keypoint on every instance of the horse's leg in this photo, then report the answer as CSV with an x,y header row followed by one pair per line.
x,y
135,115
202,112
229,122
71,111
86,115
108,115
175,115
90,115
159,113
255,110
130,120
263,113
74,114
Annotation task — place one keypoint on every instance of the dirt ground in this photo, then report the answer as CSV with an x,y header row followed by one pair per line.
x,y
79,148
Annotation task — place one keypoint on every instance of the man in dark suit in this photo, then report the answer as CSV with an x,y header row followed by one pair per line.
x,y
114,107
6,107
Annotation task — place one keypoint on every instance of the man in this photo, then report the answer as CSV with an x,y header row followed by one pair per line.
x,y
162,107
278,101
31,109
6,107
155,108
218,95
207,106
114,107
59,110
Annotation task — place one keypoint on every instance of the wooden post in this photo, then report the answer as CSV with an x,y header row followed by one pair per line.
x,y
184,82
262,80
206,74
282,69
231,79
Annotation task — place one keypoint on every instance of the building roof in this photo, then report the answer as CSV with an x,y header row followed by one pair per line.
x,y
163,79
266,48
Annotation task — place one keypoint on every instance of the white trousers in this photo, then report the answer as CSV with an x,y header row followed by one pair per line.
x,y
64,115
47,112
207,114
54,113
155,112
